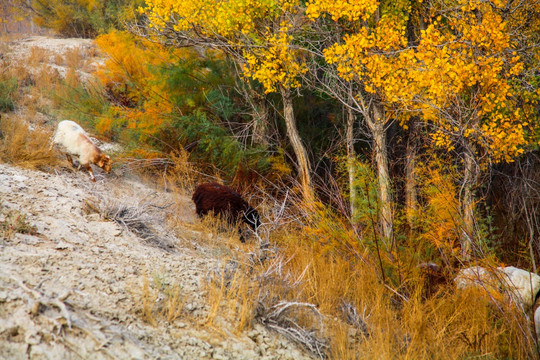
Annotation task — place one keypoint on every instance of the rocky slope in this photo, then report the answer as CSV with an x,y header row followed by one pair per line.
x,y
74,287
75,284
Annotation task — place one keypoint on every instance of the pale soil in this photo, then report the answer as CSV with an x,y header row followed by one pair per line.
x,y
56,45
74,290
101,266
57,53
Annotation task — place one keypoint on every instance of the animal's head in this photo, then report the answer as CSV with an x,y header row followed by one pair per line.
x,y
252,218
105,163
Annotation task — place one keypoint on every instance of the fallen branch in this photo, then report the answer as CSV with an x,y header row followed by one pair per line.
x,y
276,318
42,299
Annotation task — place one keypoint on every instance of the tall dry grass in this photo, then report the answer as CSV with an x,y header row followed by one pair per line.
x,y
323,287
38,56
182,175
26,146
397,319
157,301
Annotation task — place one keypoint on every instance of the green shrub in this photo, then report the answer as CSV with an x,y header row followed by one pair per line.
x,y
8,87
211,143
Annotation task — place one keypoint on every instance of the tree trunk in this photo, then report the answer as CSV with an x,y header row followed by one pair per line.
x,y
260,120
467,203
298,147
376,124
411,199
351,158
415,26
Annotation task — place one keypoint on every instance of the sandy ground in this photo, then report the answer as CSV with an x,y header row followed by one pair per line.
x,y
55,52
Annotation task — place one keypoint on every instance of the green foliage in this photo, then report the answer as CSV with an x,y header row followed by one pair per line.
x,y
221,104
365,184
84,18
194,81
82,103
213,144
201,88
8,87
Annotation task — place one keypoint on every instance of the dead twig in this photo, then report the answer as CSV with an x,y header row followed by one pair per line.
x,y
42,299
280,318
136,216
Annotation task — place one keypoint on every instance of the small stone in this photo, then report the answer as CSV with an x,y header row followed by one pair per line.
x,y
62,245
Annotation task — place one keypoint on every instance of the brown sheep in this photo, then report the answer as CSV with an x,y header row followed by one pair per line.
x,y
225,202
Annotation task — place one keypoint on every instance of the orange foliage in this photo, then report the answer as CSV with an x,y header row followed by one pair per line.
x,y
440,216
460,77
142,103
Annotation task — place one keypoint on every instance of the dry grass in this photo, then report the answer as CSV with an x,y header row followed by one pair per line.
x,y
218,232
36,80
337,305
230,295
182,175
139,216
25,146
46,78
311,279
39,85
158,301
383,321
74,57
38,56
174,304
242,293
77,57
148,300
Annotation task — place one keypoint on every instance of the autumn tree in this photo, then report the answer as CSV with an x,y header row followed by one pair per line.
x,y
466,83
362,56
452,70
452,65
257,34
